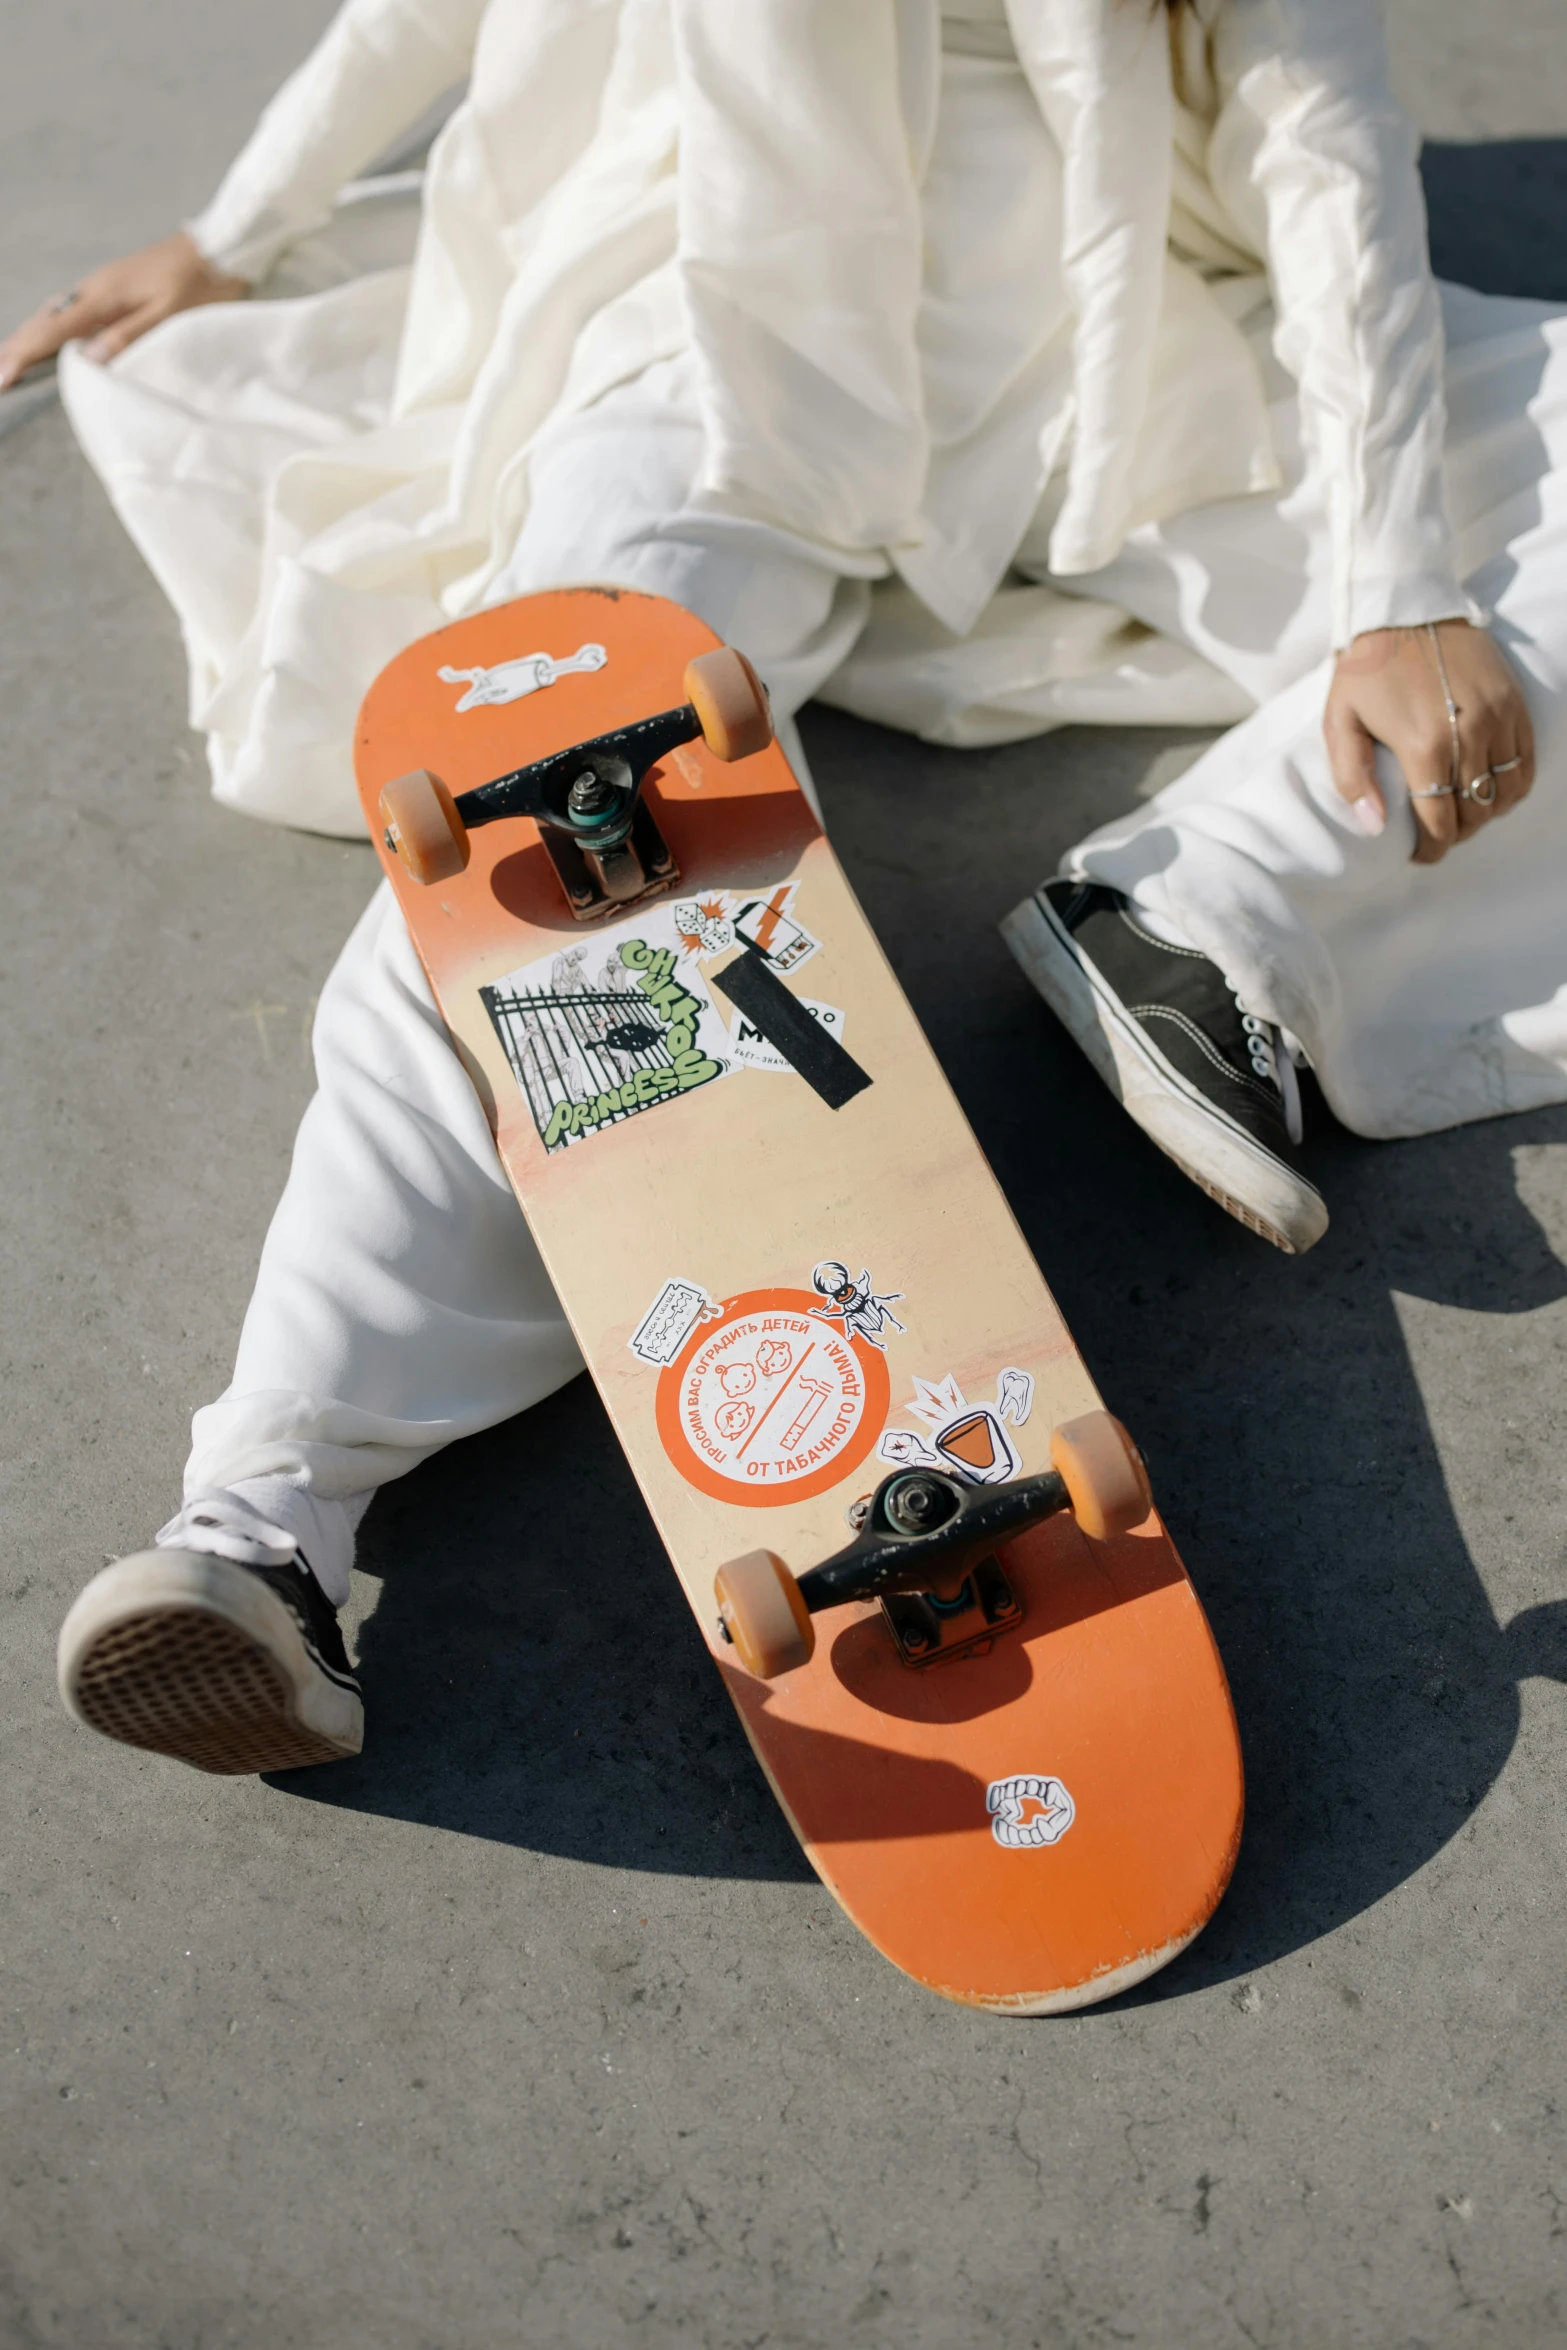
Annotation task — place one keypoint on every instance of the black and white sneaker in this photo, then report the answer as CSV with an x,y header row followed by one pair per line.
x,y
229,1667
1210,1083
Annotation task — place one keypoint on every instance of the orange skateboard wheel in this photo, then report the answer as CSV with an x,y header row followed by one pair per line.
x,y
421,821
730,700
763,1610
1103,1473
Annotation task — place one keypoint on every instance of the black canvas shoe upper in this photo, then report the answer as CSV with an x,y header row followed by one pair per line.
x,y
1180,1001
315,1615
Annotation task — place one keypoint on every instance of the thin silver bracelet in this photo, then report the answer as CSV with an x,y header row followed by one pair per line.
x,y
1448,790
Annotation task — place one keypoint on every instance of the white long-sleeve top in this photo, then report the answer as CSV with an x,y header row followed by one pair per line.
x,y
905,329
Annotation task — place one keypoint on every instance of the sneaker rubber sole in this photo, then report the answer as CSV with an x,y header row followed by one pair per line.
x,y
1209,1146
192,1656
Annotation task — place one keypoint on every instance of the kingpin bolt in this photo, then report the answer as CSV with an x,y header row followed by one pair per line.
x,y
919,1504
590,798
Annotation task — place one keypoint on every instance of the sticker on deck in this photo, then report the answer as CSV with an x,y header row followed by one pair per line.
x,y
609,1028
769,1404
1029,1811
750,1046
669,1322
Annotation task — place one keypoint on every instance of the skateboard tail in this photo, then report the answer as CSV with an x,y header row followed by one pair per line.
x,y
1105,1983
1032,1890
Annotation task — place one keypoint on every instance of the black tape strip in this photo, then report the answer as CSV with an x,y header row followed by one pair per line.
x,y
755,989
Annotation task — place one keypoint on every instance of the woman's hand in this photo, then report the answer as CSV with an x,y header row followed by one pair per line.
x,y
1387,688
115,304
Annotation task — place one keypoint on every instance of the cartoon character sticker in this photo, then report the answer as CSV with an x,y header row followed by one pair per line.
x,y
1028,1811
854,1304
969,1441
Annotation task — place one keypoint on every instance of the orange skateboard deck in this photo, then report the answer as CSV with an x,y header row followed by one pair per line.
x,y
793,1275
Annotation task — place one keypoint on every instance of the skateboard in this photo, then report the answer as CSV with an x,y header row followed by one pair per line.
x,y
922,1555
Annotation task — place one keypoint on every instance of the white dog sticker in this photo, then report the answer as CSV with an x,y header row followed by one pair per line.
x,y
530,673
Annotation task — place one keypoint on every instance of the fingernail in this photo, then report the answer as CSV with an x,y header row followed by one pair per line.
x,y
7,378
1368,814
94,350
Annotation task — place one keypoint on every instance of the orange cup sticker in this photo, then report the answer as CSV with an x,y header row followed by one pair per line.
x,y
771,1403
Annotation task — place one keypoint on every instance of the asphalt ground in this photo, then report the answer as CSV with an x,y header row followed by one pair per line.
x,y
531,2026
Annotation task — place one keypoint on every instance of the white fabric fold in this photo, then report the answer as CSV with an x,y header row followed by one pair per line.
x,y
920,288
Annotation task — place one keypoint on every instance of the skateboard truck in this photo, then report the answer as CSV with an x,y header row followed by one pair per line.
x,y
925,1548
602,840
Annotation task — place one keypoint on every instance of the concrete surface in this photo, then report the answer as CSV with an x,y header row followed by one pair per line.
x,y
530,2028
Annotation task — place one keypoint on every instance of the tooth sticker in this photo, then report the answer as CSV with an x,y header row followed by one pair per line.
x,y
969,1441
669,1322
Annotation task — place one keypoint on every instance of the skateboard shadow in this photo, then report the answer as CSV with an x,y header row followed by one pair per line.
x,y
533,1673
1290,1445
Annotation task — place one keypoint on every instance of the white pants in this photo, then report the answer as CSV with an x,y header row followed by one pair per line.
x,y
400,1302
1425,996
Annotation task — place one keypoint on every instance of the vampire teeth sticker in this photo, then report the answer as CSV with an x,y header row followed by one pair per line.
x,y
1028,1811
605,1030
967,1440
669,1322
768,1403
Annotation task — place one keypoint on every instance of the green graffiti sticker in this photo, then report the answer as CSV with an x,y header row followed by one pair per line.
x,y
605,1030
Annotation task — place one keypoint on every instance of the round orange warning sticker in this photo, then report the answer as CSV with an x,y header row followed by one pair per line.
x,y
770,1402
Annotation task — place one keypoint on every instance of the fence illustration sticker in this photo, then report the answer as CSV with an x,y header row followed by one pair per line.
x,y
607,1029
1028,1811
669,1322
768,1403
967,1440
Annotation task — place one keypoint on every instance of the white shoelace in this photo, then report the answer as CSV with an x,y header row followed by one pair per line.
x,y
1274,1053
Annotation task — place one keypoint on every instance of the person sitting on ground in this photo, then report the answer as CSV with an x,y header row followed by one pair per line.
x,y
978,365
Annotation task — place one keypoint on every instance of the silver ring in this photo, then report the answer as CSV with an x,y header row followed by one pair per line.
x,y
1506,766
65,301
1435,791
1481,789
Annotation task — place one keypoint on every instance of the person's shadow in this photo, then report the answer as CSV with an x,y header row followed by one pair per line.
x,y
533,1673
